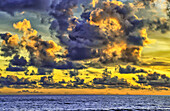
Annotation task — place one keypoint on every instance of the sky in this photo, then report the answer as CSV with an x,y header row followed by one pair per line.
x,y
77,44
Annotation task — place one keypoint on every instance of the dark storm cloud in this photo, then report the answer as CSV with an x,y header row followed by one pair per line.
x,y
8,51
38,47
17,64
130,69
112,82
41,54
84,39
155,80
44,71
19,61
69,65
88,40
48,82
15,82
90,36
12,6
15,68
9,45
62,11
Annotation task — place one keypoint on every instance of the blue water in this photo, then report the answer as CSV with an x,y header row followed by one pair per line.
x,y
82,102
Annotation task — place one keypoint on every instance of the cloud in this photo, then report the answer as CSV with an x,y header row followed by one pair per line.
x,y
111,81
69,65
109,31
129,69
62,11
12,6
27,91
155,80
15,68
160,24
42,53
44,71
47,80
19,61
9,44
15,82
159,10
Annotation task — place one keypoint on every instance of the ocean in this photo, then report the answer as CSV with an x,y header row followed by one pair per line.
x,y
84,102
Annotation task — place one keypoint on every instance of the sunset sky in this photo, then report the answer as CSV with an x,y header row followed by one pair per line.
x,y
85,47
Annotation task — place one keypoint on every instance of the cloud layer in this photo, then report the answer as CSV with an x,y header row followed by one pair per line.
x,y
107,30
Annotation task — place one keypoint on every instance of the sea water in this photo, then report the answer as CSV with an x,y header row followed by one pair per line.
x,y
84,102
